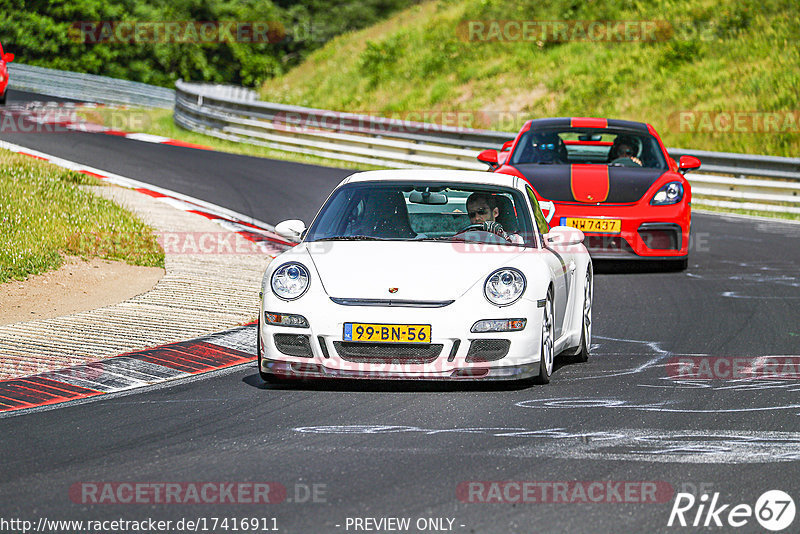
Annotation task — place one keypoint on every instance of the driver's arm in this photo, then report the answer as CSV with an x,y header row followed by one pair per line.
x,y
516,239
495,228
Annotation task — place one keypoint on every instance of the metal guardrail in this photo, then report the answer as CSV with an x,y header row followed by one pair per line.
x,y
88,87
227,92
384,142
234,113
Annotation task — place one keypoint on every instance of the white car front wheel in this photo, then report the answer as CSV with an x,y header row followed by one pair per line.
x,y
586,328
546,350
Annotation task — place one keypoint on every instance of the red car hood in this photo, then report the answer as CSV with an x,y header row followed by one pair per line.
x,y
591,184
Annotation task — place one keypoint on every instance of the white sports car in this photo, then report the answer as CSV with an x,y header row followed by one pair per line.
x,y
426,274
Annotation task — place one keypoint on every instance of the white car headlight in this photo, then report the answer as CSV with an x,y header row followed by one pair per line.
x,y
290,281
285,319
504,286
671,193
498,325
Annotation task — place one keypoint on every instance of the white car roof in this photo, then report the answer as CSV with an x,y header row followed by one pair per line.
x,y
435,175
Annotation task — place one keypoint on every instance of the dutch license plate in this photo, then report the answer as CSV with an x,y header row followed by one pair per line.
x,y
608,226
387,333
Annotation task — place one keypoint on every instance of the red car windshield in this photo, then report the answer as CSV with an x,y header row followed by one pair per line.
x,y
602,146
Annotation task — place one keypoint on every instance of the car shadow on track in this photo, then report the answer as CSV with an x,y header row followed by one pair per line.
x,y
403,386
637,267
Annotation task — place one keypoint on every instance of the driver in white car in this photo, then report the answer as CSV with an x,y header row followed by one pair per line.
x,y
482,209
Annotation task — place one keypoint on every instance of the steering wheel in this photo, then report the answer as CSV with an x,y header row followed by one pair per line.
x,y
625,162
470,228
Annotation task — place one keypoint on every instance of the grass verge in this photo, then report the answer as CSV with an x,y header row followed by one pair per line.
x,y
45,213
698,205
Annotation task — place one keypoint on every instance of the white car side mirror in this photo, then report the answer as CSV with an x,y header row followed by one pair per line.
x,y
291,229
564,236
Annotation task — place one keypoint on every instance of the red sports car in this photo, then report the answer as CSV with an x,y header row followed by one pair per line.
x,y
613,179
4,58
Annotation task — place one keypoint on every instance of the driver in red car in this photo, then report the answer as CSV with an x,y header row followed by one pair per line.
x,y
482,209
624,148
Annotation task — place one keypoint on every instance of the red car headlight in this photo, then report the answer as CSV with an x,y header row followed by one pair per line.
x,y
671,193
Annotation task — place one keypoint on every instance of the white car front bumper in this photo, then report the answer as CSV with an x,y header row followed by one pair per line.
x,y
454,353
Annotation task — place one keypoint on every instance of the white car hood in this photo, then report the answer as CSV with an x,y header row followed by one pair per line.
x,y
419,271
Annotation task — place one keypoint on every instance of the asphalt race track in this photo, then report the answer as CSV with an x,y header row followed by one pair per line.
x,y
421,451
245,184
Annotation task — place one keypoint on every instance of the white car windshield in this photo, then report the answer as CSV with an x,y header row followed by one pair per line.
x,y
403,211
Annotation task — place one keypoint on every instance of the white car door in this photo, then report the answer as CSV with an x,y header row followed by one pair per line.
x,y
561,265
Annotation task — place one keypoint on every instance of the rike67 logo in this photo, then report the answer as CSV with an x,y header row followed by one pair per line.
x,y
774,510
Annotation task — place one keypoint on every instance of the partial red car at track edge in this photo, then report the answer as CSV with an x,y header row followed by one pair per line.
x,y
4,58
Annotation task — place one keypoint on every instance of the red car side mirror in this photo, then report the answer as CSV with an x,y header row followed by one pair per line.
x,y
8,57
507,145
488,156
688,163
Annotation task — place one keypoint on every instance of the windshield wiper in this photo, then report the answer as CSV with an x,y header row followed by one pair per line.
x,y
352,238
443,238
455,239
